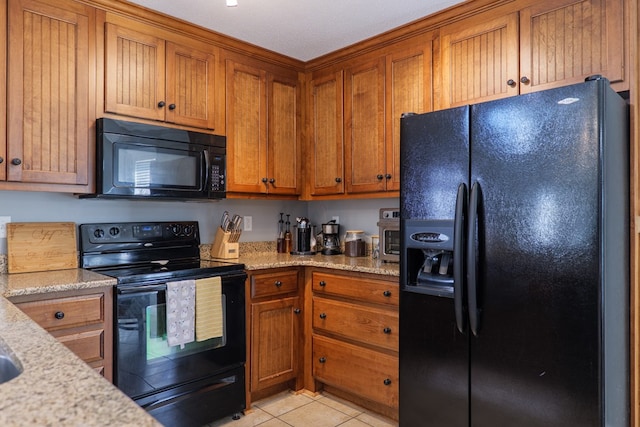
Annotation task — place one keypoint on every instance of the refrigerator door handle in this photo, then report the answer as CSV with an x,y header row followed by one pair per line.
x,y
472,266
458,256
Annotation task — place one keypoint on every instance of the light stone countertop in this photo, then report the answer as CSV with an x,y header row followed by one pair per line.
x,y
56,387
263,260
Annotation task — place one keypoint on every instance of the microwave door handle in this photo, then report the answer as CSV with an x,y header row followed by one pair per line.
x,y
207,168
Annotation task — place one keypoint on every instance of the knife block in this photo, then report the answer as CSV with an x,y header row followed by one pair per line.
x,y
222,248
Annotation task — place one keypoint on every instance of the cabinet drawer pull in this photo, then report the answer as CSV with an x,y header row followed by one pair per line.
x,y
387,293
525,80
265,180
323,315
387,381
338,180
379,176
322,359
388,176
272,180
16,162
59,315
1,160
296,310
511,83
161,104
172,106
387,330
278,283
322,283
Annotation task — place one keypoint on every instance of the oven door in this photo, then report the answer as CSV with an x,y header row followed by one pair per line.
x,y
145,364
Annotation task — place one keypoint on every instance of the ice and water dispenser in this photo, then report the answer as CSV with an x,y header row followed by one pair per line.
x,y
429,256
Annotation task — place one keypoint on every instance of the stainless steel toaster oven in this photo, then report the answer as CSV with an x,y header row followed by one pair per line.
x,y
389,225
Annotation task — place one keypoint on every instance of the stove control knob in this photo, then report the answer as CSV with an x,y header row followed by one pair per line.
x,y
99,233
114,231
188,230
176,229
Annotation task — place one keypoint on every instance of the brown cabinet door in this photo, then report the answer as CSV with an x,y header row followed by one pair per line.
x,y
365,162
274,342
326,135
246,129
49,69
134,72
408,90
564,41
283,158
190,98
479,59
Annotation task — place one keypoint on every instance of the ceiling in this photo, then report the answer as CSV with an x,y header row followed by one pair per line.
x,y
301,29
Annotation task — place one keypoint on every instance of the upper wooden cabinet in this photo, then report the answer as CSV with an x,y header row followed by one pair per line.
x,y
51,64
506,52
326,142
263,135
150,77
354,117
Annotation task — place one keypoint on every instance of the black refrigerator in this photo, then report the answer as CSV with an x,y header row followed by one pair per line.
x,y
514,270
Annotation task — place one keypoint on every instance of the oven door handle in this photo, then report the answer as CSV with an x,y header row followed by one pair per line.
x,y
140,289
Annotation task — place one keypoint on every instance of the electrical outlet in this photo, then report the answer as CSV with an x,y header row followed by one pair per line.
x,y
3,226
336,218
248,223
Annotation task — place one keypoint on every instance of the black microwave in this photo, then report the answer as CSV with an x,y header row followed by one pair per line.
x,y
137,160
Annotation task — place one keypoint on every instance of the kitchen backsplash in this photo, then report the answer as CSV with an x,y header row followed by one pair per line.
x,y
23,206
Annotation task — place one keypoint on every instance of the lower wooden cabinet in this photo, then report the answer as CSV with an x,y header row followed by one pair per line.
x,y
275,327
81,320
354,329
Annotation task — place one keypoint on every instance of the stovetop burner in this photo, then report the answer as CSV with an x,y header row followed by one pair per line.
x,y
147,252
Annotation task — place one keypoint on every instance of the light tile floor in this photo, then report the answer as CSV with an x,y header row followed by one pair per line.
x,y
288,409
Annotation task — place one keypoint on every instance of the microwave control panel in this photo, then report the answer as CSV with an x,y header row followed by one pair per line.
x,y
217,174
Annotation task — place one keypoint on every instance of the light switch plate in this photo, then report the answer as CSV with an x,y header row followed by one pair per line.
x,y
3,226
248,223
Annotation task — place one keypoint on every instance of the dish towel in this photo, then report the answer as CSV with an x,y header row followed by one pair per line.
x,y
181,303
208,308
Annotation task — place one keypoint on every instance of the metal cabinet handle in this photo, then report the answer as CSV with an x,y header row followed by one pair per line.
x,y
278,283
525,80
172,106
161,104
379,176
322,283
338,180
16,162
265,180
388,176
59,315
272,180
511,83
387,381
322,360
297,310
323,315
1,160
387,294
387,330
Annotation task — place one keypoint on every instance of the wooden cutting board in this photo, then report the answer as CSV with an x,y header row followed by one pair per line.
x,y
41,246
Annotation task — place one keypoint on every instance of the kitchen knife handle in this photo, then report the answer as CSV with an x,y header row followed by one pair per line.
x,y
472,268
458,256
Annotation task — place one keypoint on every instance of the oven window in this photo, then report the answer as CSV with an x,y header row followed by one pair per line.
x,y
145,362
140,166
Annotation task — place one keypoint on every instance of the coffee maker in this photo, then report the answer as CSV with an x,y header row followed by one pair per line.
x,y
330,238
303,238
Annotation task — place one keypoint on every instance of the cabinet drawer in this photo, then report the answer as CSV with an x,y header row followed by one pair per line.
x,y
69,312
88,345
269,284
369,290
362,371
371,325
